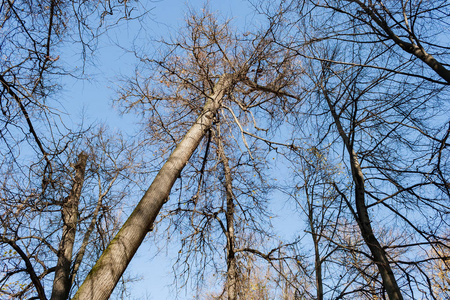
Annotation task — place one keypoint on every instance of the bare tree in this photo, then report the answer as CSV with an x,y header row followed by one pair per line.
x,y
405,24
38,180
33,34
381,103
315,178
109,268
348,104
52,228
206,64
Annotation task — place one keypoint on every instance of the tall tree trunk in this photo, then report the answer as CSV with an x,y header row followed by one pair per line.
x,y
316,239
363,219
317,258
318,268
231,239
62,281
104,276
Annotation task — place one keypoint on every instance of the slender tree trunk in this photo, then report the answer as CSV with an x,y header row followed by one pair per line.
x,y
231,239
318,268
378,253
62,281
317,259
87,234
315,237
104,276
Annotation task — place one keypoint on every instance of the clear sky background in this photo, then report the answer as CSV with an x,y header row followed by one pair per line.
x,y
91,99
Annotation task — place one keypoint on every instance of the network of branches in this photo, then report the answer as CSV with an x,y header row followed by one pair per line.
x,y
305,157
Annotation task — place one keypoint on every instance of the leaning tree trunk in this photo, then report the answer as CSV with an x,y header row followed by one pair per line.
x,y
363,219
62,281
232,272
104,276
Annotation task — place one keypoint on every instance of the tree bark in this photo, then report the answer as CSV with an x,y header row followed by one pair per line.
x,y
363,220
104,276
62,281
231,239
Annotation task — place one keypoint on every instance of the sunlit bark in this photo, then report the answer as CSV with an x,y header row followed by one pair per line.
x,y
62,281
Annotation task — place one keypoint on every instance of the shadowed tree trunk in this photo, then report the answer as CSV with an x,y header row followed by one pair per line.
x,y
231,239
317,258
62,281
104,276
363,219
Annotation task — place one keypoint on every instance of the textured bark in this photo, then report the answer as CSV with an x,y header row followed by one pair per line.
x,y
62,281
363,219
104,276
231,239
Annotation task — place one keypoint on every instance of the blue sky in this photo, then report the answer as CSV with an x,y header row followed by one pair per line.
x,y
92,97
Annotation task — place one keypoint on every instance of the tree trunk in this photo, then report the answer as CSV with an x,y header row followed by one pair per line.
x,y
315,238
317,258
62,281
104,276
318,268
363,220
379,255
231,239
